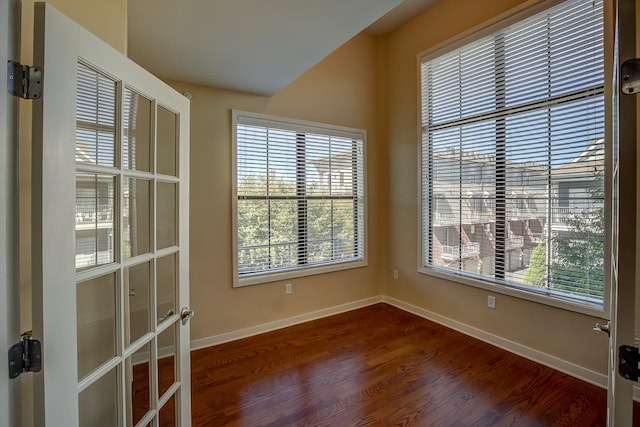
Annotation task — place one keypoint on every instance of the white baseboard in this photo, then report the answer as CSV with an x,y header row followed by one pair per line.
x,y
279,324
553,362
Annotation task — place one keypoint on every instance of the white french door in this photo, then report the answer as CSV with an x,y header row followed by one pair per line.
x,y
110,236
622,218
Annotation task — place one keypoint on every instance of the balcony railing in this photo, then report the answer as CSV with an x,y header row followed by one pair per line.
x,y
262,257
88,214
460,252
515,242
564,215
452,218
537,237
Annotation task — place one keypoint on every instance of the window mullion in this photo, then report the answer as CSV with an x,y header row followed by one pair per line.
x,y
301,195
501,158
268,193
430,172
354,194
547,243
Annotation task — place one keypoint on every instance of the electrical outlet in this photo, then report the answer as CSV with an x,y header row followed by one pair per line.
x,y
491,301
395,274
288,288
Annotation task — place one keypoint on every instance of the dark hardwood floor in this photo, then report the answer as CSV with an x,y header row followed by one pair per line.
x,y
381,366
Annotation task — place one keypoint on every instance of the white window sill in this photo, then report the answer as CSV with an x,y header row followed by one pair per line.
x,y
550,300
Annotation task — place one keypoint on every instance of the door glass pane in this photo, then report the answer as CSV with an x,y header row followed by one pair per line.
x,y
95,118
166,205
168,413
138,377
167,142
166,359
96,308
136,139
137,281
98,403
136,216
94,220
166,272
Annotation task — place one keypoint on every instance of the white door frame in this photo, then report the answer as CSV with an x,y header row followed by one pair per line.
x,y
9,288
620,391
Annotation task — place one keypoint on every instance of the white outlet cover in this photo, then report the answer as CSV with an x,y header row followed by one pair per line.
x,y
491,302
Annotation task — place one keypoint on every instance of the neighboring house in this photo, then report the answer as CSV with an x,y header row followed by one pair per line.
x,y
335,173
464,212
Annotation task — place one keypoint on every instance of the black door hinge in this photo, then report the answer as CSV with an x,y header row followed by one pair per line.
x,y
630,76
24,81
628,358
25,356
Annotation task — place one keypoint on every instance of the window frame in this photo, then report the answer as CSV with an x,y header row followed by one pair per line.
x,y
299,126
498,23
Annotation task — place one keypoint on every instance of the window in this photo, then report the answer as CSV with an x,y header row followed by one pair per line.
x,y
299,202
526,106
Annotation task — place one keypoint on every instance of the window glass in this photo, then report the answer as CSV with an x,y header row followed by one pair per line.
x,y
513,156
299,196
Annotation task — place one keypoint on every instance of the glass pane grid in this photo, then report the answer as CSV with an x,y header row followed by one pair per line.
x,y
119,308
95,117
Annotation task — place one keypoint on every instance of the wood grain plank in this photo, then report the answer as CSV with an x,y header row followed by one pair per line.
x,y
381,366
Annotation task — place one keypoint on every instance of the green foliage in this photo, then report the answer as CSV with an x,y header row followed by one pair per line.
x,y
270,229
537,271
578,261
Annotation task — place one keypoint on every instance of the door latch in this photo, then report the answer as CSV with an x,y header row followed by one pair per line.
x,y
25,356
598,329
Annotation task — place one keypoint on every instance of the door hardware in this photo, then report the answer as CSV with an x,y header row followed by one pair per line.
x,y
24,81
25,356
598,329
186,314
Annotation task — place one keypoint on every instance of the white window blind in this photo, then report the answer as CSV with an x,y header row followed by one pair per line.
x,y
95,148
513,156
299,198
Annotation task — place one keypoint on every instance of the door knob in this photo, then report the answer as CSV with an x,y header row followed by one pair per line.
x,y
186,314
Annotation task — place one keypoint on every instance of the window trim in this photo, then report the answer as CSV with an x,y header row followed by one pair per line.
x,y
300,126
512,16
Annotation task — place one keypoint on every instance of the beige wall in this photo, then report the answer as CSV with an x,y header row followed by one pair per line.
x,y
557,332
340,90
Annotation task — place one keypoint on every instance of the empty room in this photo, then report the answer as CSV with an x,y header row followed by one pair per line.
x,y
319,213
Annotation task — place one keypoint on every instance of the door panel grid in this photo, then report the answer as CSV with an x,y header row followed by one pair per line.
x,y
122,216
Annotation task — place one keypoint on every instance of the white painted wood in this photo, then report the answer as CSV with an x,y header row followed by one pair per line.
x,y
59,44
622,216
9,288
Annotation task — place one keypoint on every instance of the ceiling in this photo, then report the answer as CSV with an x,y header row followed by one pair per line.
x,y
255,46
